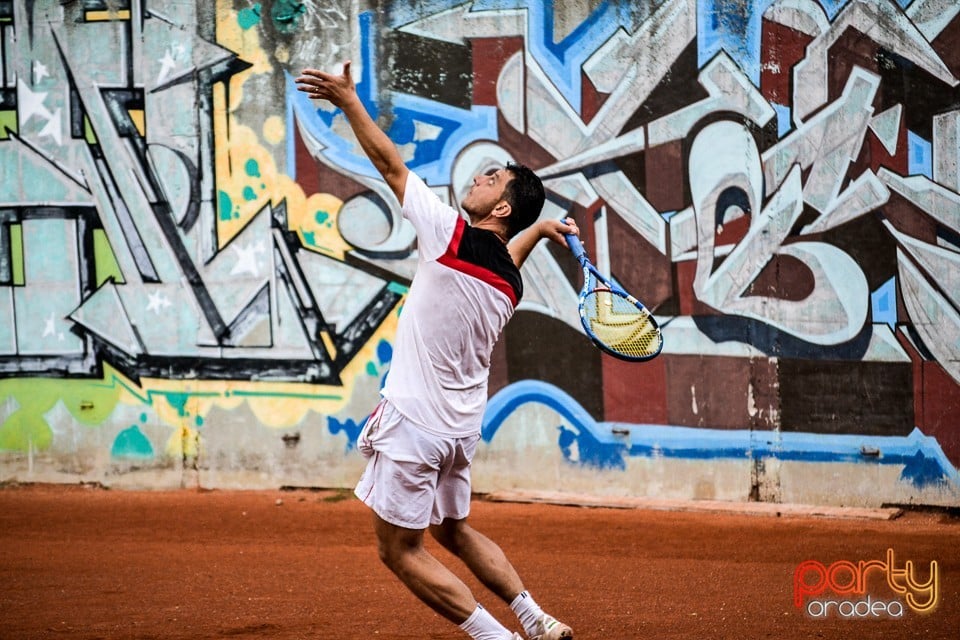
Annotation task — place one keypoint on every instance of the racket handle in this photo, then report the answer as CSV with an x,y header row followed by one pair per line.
x,y
574,243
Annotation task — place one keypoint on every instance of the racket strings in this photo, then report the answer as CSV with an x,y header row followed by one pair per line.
x,y
620,324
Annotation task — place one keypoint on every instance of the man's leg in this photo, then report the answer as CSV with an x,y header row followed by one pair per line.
x,y
400,485
403,553
489,563
483,557
401,550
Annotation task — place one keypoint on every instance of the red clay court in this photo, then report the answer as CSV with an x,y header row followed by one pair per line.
x,y
84,562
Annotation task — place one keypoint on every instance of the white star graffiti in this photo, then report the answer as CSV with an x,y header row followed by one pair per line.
x,y
167,64
53,129
39,72
158,302
48,328
31,103
247,259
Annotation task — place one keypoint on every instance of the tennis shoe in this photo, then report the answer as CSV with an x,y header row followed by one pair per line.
x,y
552,629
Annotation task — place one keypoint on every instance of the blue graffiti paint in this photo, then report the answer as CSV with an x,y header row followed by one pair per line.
x,y
348,427
384,352
131,443
432,158
921,471
883,306
734,26
589,452
924,463
919,156
784,119
561,60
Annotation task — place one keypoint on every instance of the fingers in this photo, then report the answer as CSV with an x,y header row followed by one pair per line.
x,y
316,84
316,75
320,84
557,230
309,81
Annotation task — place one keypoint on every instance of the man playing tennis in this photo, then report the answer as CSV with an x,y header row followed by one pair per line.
x,y
421,438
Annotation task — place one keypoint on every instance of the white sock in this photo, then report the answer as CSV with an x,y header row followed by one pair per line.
x,y
528,612
483,626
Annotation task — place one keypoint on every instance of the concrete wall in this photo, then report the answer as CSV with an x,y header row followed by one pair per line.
x,y
200,276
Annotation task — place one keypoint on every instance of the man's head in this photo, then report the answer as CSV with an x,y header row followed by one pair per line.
x,y
511,197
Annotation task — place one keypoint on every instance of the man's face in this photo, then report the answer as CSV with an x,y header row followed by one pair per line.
x,y
486,193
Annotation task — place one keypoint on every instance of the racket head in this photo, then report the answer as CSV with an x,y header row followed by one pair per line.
x,y
619,324
614,320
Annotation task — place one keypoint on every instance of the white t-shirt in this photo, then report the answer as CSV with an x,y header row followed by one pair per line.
x,y
465,289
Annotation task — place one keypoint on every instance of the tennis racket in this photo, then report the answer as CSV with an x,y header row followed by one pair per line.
x,y
613,319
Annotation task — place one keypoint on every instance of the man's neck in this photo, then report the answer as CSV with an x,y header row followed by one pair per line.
x,y
494,227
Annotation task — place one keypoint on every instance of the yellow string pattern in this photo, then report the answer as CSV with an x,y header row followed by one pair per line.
x,y
620,325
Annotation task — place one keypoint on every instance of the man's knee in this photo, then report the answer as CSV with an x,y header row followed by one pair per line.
x,y
452,534
394,542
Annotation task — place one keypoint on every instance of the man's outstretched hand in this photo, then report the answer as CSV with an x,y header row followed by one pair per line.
x,y
320,85
341,92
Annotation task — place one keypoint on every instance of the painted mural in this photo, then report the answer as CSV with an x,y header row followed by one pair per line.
x,y
201,273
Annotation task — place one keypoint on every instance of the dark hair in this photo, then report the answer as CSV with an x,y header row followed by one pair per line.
x,y
525,195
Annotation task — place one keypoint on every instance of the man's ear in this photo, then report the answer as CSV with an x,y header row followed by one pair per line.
x,y
502,209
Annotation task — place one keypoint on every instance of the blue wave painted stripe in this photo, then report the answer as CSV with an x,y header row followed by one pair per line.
x,y
606,444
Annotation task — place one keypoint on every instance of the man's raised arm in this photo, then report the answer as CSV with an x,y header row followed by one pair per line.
x,y
525,241
342,93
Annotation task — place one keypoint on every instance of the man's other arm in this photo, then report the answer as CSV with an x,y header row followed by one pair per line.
x,y
524,242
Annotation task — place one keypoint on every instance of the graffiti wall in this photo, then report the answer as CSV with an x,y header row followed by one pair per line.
x,y
201,274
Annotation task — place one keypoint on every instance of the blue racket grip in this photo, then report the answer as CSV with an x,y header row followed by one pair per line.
x,y
574,243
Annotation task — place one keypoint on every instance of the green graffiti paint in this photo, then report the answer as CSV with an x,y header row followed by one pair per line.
x,y
321,216
16,254
90,403
131,443
252,167
104,259
307,396
224,205
396,287
88,133
24,431
178,401
249,17
286,14
372,369
8,124
249,194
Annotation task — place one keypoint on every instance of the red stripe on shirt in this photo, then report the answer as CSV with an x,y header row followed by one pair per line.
x,y
450,259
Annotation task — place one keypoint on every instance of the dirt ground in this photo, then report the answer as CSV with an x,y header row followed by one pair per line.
x,y
84,562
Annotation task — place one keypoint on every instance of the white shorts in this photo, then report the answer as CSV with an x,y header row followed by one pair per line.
x,y
413,478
